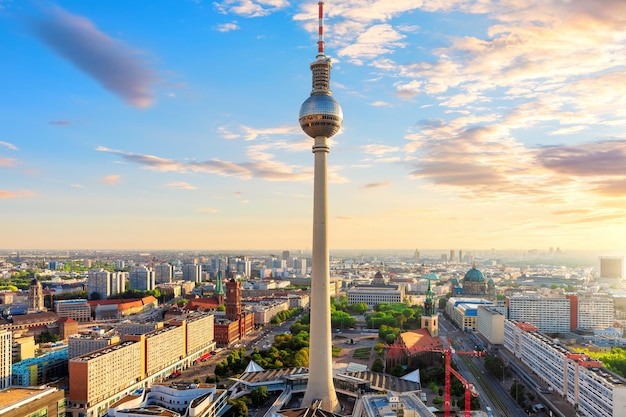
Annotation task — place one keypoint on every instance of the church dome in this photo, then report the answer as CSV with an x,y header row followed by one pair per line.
x,y
490,282
473,275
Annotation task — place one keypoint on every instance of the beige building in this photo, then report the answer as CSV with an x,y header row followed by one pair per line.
x,y
78,310
6,344
490,324
23,348
163,347
32,401
97,377
82,344
265,311
376,294
139,361
200,332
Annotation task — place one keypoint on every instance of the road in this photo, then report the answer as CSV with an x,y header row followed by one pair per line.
x,y
493,392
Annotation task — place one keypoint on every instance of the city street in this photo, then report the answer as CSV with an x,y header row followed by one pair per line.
x,y
493,391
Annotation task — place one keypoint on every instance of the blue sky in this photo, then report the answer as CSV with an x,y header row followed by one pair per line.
x,y
173,124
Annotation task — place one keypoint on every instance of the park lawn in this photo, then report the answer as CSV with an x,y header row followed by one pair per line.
x,y
362,353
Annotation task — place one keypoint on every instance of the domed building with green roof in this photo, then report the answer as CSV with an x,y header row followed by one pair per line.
x,y
474,282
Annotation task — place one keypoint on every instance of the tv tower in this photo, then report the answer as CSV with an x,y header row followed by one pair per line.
x,y
320,118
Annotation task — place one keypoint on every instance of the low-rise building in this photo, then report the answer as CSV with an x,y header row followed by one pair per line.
x,y
490,324
32,401
78,310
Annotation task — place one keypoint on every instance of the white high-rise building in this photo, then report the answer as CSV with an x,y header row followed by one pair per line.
x,y
142,279
99,282
6,343
118,282
192,272
163,273
548,314
595,312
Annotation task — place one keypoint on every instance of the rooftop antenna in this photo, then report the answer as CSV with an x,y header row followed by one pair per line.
x,y
320,40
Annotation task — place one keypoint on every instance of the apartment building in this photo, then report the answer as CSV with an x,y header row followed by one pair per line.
x,y
548,314
591,311
6,358
582,381
96,378
100,378
84,343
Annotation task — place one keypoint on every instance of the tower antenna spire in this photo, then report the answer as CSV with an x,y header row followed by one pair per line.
x,y
320,41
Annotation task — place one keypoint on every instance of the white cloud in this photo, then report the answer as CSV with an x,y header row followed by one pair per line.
x,y
180,185
379,150
113,179
8,145
227,27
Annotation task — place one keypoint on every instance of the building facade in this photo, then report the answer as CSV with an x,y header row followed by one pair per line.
x,y
548,314
78,310
6,358
376,294
582,381
32,401
142,279
163,273
490,324
192,273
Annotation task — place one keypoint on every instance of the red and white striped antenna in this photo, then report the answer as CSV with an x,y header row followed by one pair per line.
x,y
320,41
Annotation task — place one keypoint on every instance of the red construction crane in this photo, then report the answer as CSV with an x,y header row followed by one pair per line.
x,y
470,390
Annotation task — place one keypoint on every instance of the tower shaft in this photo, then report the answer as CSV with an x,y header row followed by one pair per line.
x,y
320,385
320,118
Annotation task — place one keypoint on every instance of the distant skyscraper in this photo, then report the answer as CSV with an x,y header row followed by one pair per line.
x,y
99,282
460,255
612,267
451,255
285,254
141,279
192,272
416,254
320,118
163,273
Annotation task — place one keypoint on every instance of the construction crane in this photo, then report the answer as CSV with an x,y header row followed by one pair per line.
x,y
470,390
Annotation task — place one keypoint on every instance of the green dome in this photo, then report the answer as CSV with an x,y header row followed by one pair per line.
x,y
474,275
490,281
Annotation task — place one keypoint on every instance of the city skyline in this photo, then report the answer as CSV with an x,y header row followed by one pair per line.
x,y
174,126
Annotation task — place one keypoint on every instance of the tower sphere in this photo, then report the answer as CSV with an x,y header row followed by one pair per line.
x,y
320,115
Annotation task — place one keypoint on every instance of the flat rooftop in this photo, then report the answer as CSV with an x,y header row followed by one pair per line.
x,y
16,394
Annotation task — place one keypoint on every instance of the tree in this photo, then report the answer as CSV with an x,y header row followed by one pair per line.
x,y
378,365
397,370
259,396
46,337
240,407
